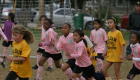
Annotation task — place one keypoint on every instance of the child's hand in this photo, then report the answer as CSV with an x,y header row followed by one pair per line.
x,y
91,57
42,40
104,55
68,54
40,44
121,57
129,57
6,40
95,44
8,57
92,50
52,41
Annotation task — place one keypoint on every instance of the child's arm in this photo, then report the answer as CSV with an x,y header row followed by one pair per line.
x,y
104,54
89,42
15,58
3,35
122,52
54,46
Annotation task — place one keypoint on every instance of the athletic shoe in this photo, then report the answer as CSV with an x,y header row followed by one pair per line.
x,y
49,69
35,67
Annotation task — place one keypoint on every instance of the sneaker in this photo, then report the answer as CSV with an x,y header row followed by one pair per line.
x,y
49,69
3,63
70,79
35,67
36,79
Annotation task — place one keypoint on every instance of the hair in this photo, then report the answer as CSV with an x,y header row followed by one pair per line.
x,y
81,33
12,15
28,36
42,17
68,24
50,21
137,35
98,21
115,21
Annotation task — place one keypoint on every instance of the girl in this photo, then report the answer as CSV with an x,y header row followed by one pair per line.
x,y
2,61
67,43
41,49
49,50
98,37
115,44
20,66
7,27
83,62
135,56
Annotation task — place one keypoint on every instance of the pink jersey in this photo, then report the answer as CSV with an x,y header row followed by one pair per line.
x,y
42,35
51,34
99,37
81,55
136,54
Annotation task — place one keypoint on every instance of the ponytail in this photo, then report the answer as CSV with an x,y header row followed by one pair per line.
x,y
85,42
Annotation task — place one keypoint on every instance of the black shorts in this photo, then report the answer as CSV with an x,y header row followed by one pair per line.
x,y
40,50
87,71
71,63
5,44
99,55
53,56
12,76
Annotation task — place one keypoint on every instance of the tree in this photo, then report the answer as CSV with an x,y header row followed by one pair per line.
x,y
1,7
76,9
99,9
51,10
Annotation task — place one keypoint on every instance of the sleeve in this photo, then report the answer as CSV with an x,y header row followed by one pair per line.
x,y
88,41
3,35
136,59
79,53
91,38
121,40
25,51
104,35
59,44
129,22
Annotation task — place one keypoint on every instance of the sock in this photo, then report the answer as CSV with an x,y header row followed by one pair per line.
x,y
1,60
38,58
82,78
5,51
93,79
39,72
50,62
108,78
128,79
99,64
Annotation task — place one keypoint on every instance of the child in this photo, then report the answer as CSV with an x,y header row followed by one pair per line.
x,y
7,27
49,50
20,65
98,37
83,62
135,56
2,61
41,49
67,43
115,44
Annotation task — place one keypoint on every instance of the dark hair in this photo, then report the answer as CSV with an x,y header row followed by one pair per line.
x,y
115,21
12,15
68,24
137,35
50,21
42,17
98,21
81,33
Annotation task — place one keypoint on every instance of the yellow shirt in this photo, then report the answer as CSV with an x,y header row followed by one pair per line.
x,y
21,68
114,42
91,54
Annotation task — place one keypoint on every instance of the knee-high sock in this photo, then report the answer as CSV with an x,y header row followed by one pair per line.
x,y
38,58
1,60
39,72
99,64
129,79
50,62
93,79
108,78
5,51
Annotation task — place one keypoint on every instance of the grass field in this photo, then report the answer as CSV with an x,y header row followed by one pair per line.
x,y
57,74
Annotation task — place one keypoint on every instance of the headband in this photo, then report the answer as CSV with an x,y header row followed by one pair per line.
x,y
114,19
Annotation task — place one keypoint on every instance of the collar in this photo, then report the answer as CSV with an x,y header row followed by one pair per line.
x,y
134,45
67,36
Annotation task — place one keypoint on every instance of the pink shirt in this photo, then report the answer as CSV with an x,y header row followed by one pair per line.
x,y
81,55
99,37
51,34
42,35
136,54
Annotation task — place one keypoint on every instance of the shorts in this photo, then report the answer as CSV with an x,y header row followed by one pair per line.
x,y
5,44
99,55
53,56
133,72
40,50
71,63
87,71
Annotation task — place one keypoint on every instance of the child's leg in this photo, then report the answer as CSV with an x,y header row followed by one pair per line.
x,y
75,75
38,57
50,62
133,72
117,66
105,68
57,63
99,64
40,68
11,76
5,51
1,60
